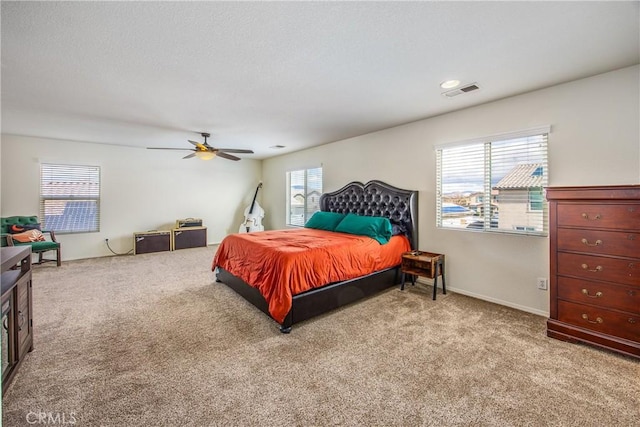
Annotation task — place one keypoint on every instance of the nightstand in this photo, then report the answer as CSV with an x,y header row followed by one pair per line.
x,y
424,264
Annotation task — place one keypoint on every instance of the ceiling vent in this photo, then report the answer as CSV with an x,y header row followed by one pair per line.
x,y
459,91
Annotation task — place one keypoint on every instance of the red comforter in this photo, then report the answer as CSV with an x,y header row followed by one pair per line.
x,y
284,263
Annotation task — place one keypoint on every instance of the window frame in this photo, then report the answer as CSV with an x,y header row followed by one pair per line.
x,y
82,174
306,213
485,145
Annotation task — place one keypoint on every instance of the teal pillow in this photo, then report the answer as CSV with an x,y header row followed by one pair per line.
x,y
325,220
376,227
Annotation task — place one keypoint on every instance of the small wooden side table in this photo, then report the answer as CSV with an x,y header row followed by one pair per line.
x,y
425,264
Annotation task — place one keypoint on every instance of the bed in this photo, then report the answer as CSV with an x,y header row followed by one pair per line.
x,y
304,279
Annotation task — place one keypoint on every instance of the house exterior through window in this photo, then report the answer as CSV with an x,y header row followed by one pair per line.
x,y
304,188
70,198
494,184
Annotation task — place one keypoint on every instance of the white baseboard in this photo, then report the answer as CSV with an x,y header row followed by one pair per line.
x,y
490,299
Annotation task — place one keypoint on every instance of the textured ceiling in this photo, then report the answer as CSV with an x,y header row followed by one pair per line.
x,y
296,74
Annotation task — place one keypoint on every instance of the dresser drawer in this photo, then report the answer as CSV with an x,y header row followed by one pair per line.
x,y
593,267
614,216
606,295
599,319
599,242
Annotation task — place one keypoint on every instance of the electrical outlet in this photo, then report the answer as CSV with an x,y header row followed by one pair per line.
x,y
542,283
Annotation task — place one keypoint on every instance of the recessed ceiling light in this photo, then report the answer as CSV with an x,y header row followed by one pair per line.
x,y
448,84
277,147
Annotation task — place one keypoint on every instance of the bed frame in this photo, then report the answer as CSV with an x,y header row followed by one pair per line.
x,y
374,198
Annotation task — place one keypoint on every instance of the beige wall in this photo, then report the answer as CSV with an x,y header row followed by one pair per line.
x,y
594,140
140,190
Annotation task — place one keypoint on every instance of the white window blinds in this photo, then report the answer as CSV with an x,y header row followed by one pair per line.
x,y
70,198
304,188
494,184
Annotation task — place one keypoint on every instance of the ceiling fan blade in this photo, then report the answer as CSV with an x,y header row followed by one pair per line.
x,y
188,156
200,146
227,156
234,150
163,148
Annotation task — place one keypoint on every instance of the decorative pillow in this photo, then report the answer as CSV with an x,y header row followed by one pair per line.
x,y
325,220
376,227
29,236
398,229
19,228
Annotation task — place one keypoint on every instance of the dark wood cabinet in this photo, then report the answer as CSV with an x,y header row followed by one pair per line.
x,y
17,311
595,266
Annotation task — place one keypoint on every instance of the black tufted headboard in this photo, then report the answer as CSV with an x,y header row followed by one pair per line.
x,y
376,198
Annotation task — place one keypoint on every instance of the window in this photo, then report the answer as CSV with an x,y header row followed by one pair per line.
x,y
304,188
536,199
70,198
494,184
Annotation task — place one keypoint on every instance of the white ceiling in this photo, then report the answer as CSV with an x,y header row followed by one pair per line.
x,y
297,74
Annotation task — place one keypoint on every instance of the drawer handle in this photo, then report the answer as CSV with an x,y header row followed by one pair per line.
x,y
632,320
4,323
597,295
597,243
631,293
586,216
598,319
595,270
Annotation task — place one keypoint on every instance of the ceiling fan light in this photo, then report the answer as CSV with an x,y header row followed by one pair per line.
x,y
205,155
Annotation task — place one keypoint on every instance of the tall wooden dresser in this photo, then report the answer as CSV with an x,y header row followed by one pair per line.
x,y
17,310
595,266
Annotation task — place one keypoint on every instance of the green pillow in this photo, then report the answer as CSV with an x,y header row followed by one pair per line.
x,y
325,220
376,227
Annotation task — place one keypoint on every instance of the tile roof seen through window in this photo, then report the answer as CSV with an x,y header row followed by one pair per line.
x,y
74,215
522,176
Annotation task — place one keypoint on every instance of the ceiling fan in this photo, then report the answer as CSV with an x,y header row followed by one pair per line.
x,y
206,152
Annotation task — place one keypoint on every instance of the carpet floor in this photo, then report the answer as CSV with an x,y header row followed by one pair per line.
x,y
153,340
